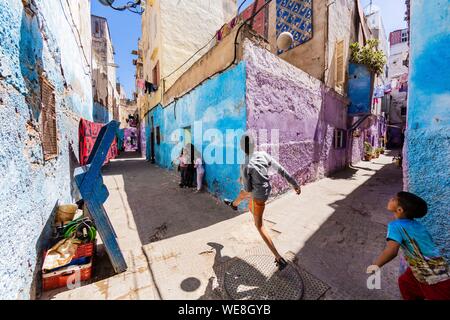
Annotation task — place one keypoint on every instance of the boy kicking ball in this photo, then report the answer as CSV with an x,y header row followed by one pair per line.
x,y
428,274
256,189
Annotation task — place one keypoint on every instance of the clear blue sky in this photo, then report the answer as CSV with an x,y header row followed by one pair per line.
x,y
125,28
393,13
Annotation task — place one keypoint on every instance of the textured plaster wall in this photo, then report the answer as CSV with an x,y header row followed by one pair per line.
x,y
219,104
427,151
30,187
306,113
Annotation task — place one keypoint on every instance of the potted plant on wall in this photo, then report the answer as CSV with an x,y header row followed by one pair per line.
x,y
369,55
368,150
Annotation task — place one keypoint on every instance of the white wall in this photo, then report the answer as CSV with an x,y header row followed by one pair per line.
x,y
188,25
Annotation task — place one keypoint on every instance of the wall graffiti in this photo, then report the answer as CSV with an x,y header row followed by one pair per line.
x,y
295,16
88,132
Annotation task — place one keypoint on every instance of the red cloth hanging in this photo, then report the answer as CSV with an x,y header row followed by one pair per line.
x,y
88,132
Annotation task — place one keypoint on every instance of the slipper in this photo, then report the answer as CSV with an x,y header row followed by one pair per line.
x,y
230,203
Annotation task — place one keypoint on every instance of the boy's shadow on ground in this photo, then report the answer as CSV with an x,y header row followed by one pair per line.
x,y
248,284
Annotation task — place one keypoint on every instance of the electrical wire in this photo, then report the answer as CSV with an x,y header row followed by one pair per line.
x,y
190,57
212,40
130,6
80,46
235,47
243,2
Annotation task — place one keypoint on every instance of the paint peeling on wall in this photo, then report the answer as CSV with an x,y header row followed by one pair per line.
x,y
30,47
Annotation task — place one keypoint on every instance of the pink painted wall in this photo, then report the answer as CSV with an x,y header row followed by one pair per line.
x,y
280,96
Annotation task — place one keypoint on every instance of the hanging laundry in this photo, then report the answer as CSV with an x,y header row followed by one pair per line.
x,y
88,132
379,92
394,84
404,87
387,88
150,87
140,83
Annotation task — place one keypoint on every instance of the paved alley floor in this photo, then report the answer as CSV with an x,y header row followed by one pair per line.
x,y
178,244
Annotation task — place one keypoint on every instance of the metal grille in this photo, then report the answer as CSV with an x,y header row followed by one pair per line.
x,y
48,113
314,288
256,277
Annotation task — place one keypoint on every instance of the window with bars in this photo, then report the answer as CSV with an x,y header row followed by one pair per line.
x,y
339,139
340,65
48,116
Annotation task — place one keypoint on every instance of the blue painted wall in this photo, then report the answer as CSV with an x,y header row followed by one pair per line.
x,y
219,103
427,152
359,89
100,113
29,186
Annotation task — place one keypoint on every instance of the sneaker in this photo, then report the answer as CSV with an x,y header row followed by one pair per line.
x,y
230,203
281,264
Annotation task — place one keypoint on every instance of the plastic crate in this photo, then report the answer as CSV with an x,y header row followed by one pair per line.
x,y
85,250
65,277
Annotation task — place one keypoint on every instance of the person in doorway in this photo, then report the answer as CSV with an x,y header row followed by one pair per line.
x,y
198,164
428,275
182,168
190,169
256,189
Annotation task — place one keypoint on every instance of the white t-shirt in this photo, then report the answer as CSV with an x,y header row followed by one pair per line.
x,y
199,165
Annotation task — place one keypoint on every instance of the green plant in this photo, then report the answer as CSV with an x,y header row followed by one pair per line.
x,y
368,149
369,55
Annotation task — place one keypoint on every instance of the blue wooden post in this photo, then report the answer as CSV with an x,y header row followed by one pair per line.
x,y
89,182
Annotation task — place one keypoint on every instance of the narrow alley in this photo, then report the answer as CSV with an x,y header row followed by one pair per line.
x,y
230,150
179,244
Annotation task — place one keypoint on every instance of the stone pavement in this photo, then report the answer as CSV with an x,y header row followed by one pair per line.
x,y
334,230
178,244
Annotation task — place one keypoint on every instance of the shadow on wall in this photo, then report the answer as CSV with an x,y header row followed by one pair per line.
x,y
160,208
42,243
353,236
31,63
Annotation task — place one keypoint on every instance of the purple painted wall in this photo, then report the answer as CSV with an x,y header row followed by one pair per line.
x,y
280,96
371,130
142,138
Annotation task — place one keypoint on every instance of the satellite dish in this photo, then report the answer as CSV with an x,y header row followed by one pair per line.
x,y
285,40
106,2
